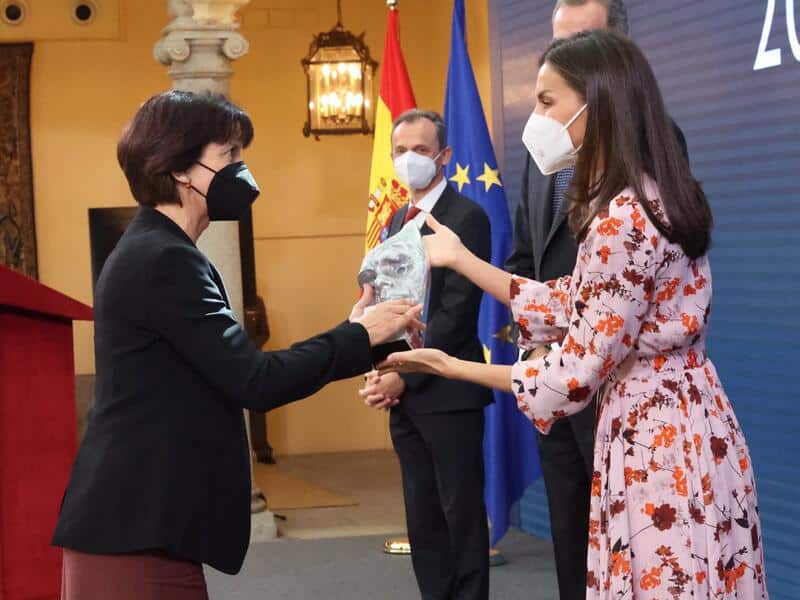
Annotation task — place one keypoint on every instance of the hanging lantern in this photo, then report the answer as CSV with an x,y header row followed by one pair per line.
x,y
339,74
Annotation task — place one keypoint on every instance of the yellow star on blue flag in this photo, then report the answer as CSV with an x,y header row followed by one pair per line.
x,y
505,334
490,177
461,177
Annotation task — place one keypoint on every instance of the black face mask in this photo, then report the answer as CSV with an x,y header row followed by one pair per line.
x,y
231,192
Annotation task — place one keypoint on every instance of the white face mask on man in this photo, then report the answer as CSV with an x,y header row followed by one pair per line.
x,y
549,143
416,170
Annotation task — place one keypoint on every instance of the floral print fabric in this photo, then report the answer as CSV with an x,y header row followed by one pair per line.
x,y
673,509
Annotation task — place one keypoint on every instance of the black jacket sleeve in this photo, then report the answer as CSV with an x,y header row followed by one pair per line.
x,y
452,326
520,261
190,312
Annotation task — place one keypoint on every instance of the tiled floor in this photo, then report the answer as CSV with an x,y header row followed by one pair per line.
x,y
349,564
372,479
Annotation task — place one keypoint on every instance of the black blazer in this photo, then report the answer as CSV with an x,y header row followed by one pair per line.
x,y
452,312
544,248
164,463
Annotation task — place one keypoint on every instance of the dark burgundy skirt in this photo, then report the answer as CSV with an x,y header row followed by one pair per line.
x,y
130,577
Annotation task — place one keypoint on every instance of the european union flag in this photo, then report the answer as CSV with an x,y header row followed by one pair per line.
x,y
509,446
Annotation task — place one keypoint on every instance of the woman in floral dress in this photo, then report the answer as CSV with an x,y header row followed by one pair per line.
x,y
674,510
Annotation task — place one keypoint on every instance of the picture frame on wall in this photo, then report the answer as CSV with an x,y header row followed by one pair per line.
x,y
17,226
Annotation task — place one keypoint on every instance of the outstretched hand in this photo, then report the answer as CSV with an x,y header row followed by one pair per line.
x,y
443,246
436,362
384,321
423,360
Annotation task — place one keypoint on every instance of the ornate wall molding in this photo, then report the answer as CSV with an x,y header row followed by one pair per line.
x,y
200,43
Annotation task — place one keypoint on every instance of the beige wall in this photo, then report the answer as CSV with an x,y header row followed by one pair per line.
x,y
309,220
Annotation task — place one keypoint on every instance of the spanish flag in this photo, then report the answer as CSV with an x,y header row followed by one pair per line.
x,y
386,193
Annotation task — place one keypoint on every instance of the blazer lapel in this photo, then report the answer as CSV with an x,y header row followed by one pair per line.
x,y
396,223
558,220
542,191
439,212
220,284
439,209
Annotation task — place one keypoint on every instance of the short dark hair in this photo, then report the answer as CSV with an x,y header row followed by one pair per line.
x,y
617,12
168,134
629,133
415,114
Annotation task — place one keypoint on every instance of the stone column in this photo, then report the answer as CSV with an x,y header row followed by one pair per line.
x,y
198,46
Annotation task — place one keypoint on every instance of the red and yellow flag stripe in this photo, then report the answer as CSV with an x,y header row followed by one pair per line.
x,y
386,193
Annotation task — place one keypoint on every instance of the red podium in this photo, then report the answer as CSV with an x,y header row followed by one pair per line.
x,y
37,430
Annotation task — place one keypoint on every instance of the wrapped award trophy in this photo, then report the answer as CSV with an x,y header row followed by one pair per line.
x,y
398,269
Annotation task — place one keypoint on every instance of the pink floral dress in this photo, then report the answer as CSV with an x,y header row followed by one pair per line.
x,y
673,509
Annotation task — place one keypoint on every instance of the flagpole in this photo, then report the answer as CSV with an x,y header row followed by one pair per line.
x,y
397,545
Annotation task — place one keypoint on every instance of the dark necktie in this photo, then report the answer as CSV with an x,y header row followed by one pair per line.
x,y
560,187
412,212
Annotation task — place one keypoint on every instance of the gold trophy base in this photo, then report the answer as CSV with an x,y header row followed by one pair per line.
x,y
496,558
399,545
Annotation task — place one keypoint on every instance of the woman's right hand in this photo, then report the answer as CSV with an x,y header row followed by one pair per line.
x,y
443,247
384,321
422,360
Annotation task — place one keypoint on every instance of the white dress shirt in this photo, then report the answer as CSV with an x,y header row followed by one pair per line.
x,y
429,200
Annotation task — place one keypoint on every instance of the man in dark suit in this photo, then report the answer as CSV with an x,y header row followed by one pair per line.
x,y
544,249
437,424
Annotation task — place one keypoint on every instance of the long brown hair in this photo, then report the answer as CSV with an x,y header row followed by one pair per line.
x,y
628,135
